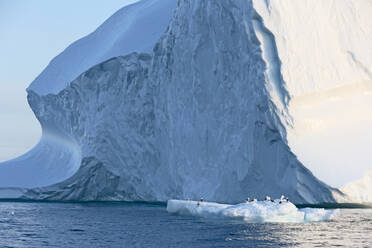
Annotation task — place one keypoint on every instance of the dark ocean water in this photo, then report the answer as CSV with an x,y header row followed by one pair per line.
x,y
146,225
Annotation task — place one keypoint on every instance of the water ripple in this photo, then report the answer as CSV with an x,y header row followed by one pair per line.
x,y
140,225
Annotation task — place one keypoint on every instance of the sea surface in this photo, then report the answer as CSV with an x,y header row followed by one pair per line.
x,y
34,224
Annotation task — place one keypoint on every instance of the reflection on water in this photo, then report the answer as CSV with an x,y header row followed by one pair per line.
x,y
353,228
145,225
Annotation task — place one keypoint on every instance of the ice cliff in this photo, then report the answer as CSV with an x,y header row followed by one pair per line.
x,y
182,101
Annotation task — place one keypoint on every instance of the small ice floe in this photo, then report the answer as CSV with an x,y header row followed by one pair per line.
x,y
279,210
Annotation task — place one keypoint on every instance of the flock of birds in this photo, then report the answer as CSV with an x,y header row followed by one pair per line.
x,y
248,200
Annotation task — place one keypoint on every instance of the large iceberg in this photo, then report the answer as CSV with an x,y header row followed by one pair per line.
x,y
252,212
174,101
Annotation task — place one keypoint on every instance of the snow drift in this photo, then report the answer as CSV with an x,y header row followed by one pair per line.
x,y
252,212
166,101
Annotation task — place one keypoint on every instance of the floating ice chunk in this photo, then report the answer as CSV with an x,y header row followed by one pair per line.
x,y
319,214
260,211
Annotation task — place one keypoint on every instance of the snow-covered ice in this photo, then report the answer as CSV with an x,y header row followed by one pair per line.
x,y
258,211
360,191
133,28
325,53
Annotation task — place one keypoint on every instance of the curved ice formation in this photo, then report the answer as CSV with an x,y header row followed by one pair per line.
x,y
275,83
54,159
252,212
134,28
360,191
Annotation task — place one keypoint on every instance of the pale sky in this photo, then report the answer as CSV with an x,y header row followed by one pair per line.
x,y
32,32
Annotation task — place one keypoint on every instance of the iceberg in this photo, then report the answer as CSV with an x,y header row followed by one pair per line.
x,y
252,212
359,191
172,99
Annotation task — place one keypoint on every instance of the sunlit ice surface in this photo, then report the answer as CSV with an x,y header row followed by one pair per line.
x,y
332,132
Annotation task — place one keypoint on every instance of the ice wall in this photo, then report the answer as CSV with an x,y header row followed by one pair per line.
x,y
326,64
